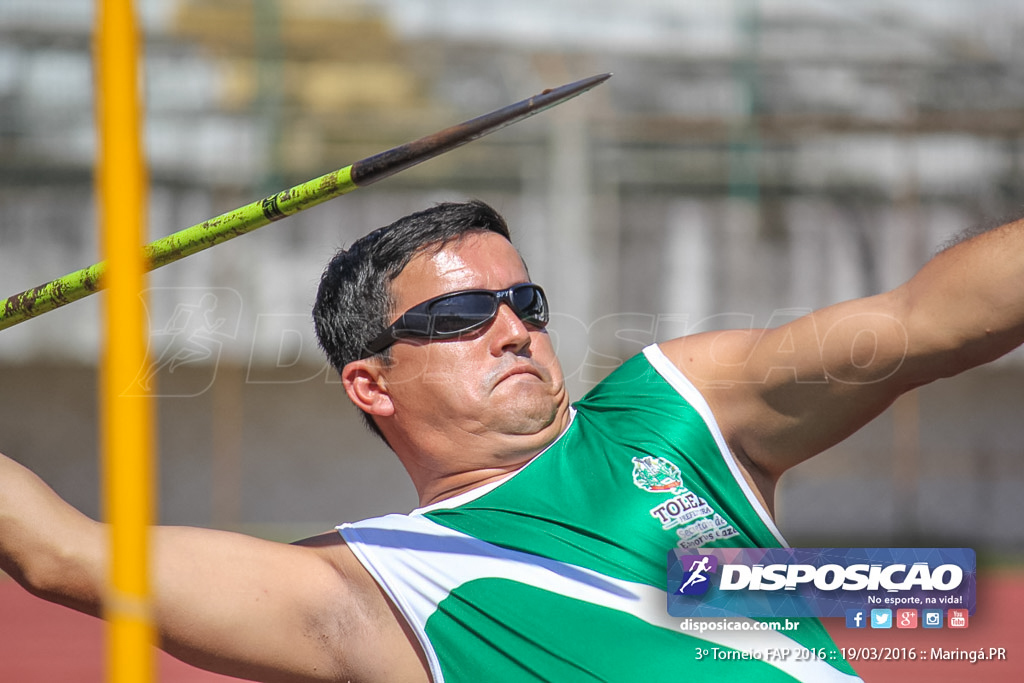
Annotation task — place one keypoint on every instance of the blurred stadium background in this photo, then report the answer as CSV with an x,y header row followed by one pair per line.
x,y
749,161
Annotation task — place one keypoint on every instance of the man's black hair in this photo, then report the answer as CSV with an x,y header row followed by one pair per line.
x,y
354,303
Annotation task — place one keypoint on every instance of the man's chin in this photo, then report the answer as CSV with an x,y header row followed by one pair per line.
x,y
528,418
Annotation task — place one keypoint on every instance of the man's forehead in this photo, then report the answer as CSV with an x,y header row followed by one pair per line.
x,y
447,261
481,260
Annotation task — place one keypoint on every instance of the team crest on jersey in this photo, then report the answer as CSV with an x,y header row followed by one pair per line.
x,y
656,475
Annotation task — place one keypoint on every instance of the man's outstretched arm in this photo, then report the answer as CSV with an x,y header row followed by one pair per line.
x,y
222,601
786,394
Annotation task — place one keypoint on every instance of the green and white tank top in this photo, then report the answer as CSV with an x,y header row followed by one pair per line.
x,y
558,571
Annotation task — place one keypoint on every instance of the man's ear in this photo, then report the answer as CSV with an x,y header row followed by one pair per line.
x,y
366,387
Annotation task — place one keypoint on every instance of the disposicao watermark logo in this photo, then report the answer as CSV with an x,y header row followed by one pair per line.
x,y
823,582
696,580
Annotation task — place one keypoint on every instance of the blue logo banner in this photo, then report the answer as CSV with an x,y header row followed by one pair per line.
x,y
818,582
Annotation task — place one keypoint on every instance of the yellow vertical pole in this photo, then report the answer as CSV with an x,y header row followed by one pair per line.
x,y
127,419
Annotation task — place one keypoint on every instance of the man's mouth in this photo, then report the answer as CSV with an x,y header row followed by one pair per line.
x,y
519,369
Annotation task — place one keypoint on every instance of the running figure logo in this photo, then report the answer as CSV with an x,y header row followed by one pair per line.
x,y
191,336
696,580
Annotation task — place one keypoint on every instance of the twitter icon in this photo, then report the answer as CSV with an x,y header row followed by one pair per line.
x,y
881,618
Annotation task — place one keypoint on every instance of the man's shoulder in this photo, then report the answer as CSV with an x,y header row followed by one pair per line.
x,y
642,376
358,618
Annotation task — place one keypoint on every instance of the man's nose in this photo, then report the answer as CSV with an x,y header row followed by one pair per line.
x,y
509,332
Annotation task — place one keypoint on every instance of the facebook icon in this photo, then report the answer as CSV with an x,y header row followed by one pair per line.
x,y
856,618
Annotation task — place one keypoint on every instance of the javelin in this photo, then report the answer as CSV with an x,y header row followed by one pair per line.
x,y
82,283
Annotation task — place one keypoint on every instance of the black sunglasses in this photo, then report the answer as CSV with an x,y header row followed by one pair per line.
x,y
450,315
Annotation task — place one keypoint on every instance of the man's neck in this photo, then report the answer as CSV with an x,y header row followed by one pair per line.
x,y
437,479
456,486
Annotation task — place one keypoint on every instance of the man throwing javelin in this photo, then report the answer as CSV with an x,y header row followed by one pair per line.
x,y
537,552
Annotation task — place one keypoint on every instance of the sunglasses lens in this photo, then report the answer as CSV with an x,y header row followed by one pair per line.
x,y
451,315
462,312
529,301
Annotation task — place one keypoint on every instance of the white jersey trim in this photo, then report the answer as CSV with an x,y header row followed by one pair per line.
x,y
681,383
419,562
402,599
